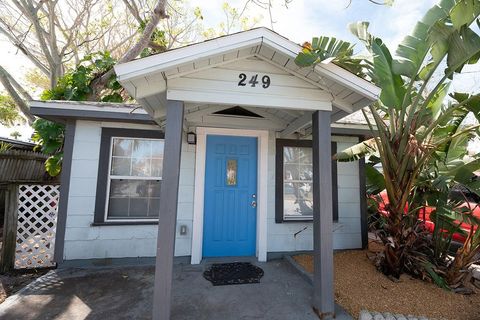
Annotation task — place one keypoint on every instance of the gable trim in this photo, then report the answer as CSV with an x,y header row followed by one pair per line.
x,y
243,40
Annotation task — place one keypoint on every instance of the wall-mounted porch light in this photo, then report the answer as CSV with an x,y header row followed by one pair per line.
x,y
191,138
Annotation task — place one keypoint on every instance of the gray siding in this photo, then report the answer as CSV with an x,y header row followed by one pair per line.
x,y
347,231
83,241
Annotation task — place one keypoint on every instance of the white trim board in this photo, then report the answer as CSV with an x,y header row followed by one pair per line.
x,y
262,190
261,41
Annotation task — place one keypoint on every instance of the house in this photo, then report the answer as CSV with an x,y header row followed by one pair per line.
x,y
232,146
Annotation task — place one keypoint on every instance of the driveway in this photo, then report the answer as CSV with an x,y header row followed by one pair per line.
x,y
126,293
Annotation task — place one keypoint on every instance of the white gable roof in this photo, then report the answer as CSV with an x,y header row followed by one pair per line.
x,y
147,79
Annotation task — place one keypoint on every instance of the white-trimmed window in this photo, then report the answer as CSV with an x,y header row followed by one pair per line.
x,y
134,179
294,181
297,183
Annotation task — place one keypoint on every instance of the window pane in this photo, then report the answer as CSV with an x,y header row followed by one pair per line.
x,y
231,172
154,189
157,167
297,155
305,155
120,166
306,172
128,188
137,157
118,207
141,167
142,149
139,207
153,207
297,199
119,188
291,172
157,149
122,147
133,199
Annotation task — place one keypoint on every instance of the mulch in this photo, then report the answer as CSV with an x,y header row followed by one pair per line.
x,y
359,286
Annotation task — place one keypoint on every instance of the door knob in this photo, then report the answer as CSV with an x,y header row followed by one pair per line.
x,y
254,202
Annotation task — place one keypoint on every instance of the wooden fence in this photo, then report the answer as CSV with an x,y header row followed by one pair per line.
x,y
20,168
18,165
30,226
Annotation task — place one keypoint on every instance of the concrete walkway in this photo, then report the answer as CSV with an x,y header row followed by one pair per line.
x,y
126,293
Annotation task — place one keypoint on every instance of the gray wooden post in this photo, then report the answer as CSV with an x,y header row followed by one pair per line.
x,y
167,218
323,296
10,228
64,191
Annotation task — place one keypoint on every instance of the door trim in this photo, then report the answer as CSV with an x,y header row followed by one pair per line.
x,y
262,188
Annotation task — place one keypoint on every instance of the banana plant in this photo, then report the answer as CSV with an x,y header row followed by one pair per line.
x,y
414,116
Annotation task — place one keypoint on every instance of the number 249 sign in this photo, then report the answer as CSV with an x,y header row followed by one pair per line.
x,y
265,81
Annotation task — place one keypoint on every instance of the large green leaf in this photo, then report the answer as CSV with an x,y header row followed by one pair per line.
x,y
463,48
412,51
392,85
374,179
357,151
461,43
323,48
473,103
464,13
53,165
436,103
306,58
465,175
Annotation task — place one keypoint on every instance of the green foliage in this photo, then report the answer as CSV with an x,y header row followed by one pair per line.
x,y
158,41
53,164
329,49
49,137
76,84
4,146
418,131
9,115
374,180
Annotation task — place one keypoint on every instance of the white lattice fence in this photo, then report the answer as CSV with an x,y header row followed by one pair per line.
x,y
36,226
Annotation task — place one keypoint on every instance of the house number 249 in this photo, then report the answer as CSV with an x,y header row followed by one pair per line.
x,y
253,80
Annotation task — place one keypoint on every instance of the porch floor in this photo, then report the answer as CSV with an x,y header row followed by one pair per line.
x,y
126,293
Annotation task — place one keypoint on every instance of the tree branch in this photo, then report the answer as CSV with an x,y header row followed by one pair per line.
x,y
5,79
19,44
157,14
132,7
26,6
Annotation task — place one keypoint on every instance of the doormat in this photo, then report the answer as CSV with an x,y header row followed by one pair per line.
x,y
221,274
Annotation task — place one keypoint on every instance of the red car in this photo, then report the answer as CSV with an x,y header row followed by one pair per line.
x,y
424,215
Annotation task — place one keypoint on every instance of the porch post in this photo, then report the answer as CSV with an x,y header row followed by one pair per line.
x,y
167,218
323,297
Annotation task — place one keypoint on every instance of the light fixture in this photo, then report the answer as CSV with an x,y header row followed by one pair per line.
x,y
183,230
191,138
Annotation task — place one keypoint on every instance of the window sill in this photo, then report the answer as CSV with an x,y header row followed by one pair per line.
x,y
123,223
296,220
299,220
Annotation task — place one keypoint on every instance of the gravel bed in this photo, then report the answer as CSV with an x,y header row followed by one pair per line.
x,y
359,286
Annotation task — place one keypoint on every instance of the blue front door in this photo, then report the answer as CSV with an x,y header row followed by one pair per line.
x,y
230,196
